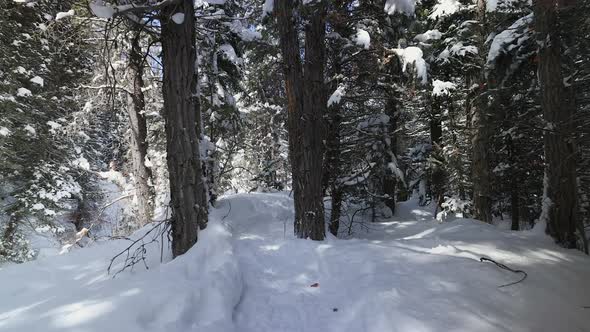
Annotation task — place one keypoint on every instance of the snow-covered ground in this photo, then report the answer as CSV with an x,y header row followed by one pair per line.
x,y
248,273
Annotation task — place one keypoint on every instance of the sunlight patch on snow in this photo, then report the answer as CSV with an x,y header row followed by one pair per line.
x,y
420,235
15,313
421,213
251,237
323,247
131,292
74,314
271,247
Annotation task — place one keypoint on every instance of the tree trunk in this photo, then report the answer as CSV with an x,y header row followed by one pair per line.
x,y
189,212
390,178
437,171
306,106
514,188
332,168
294,89
312,123
336,210
138,134
560,187
482,127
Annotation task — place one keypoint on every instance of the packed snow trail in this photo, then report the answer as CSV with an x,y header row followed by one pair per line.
x,y
248,273
412,275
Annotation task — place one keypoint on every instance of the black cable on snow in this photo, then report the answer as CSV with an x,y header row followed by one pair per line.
x,y
504,267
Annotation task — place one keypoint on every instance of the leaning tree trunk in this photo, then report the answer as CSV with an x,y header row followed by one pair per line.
x,y
138,133
560,202
189,212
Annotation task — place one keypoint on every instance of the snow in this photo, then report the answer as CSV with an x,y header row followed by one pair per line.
x,y
230,54
53,125
246,33
413,56
444,8
362,38
267,7
37,80
336,96
20,70
62,15
100,9
428,36
178,18
510,38
38,206
4,131
82,163
30,129
457,49
248,273
23,92
491,5
407,7
442,88
72,292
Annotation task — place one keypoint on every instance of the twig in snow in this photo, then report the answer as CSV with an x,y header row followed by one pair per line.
x,y
504,267
228,211
139,248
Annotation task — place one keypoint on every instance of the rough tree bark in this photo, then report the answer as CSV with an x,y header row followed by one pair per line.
x,y
189,213
138,132
390,178
437,181
294,88
481,122
332,167
560,205
306,106
514,187
312,123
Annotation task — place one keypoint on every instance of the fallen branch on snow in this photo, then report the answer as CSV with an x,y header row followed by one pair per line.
x,y
504,267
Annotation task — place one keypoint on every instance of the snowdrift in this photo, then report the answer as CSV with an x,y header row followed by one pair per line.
x,y
72,292
249,274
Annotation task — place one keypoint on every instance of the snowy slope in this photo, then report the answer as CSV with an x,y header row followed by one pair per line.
x,y
248,273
